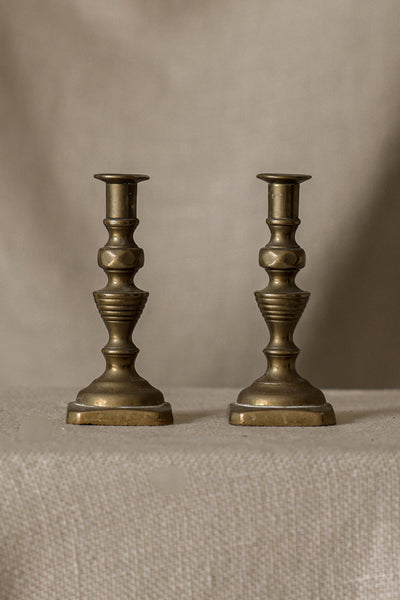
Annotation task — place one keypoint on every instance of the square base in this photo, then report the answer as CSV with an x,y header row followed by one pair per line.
x,y
79,414
281,416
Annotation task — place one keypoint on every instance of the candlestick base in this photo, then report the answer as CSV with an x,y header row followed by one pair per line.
x,y
113,399
293,404
278,416
79,414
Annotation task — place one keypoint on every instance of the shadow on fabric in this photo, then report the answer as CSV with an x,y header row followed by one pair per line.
x,y
358,339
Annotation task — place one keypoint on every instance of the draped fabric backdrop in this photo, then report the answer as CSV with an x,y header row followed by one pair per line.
x,y
202,96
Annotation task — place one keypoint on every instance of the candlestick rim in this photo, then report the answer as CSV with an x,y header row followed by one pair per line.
x,y
283,178
121,177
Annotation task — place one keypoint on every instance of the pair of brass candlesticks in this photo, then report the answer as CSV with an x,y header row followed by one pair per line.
x,y
280,397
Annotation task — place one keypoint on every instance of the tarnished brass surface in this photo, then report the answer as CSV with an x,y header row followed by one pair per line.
x,y
147,415
120,396
294,416
281,397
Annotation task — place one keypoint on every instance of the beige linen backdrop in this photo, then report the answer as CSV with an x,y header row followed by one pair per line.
x,y
201,96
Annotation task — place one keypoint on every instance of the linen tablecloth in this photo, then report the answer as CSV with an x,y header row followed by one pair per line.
x,y
200,509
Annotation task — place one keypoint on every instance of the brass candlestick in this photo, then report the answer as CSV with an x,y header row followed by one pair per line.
x,y
120,396
281,396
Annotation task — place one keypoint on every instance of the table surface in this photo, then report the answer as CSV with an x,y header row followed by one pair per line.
x,y
199,509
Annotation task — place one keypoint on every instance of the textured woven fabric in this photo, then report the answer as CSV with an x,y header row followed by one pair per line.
x,y
199,509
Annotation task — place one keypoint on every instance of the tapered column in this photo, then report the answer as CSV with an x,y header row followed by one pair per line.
x,y
120,396
281,396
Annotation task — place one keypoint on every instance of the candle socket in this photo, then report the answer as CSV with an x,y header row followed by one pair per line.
x,y
281,397
120,396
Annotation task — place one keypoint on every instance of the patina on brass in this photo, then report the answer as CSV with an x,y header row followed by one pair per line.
x,y
281,397
120,396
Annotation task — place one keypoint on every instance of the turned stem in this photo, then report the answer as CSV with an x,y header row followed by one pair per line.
x,y
120,302
282,301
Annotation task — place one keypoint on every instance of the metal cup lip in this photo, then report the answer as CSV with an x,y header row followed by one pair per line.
x,y
121,177
283,178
